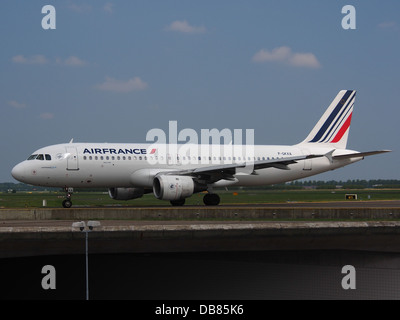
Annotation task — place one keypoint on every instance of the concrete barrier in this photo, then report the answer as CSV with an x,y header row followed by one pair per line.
x,y
193,237
182,213
47,231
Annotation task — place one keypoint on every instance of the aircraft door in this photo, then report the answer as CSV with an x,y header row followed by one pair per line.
x,y
72,159
169,159
307,162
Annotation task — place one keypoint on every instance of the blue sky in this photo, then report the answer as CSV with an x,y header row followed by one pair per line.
x,y
113,70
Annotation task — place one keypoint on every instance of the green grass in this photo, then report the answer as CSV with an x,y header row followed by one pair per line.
x,y
54,199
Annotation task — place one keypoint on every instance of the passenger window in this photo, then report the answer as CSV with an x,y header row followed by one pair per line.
x,y
40,157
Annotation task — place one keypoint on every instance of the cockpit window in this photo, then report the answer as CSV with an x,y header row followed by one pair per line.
x,y
40,157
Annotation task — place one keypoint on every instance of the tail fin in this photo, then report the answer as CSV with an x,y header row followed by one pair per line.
x,y
332,129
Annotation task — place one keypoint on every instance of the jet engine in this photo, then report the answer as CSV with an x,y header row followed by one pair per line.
x,y
125,193
166,187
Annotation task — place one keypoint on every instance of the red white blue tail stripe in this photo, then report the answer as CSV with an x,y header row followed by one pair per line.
x,y
335,123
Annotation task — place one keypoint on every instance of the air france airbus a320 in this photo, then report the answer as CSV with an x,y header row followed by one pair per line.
x,y
131,170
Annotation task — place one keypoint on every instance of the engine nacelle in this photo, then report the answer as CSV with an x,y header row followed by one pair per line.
x,y
166,187
125,193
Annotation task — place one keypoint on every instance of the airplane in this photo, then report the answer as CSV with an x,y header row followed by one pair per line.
x,y
131,170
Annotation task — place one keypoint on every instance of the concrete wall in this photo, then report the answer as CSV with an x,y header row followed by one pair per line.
x,y
192,237
200,212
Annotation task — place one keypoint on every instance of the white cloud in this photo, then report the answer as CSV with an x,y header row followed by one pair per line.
x,y
387,25
185,27
36,59
285,55
277,54
307,60
108,7
114,85
16,104
72,61
80,8
46,116
42,60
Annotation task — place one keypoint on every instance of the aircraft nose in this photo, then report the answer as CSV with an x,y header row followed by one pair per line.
x,y
18,172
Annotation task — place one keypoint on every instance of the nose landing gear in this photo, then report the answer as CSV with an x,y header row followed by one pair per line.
x,y
67,203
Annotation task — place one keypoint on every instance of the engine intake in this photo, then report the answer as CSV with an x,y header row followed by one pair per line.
x,y
125,193
166,187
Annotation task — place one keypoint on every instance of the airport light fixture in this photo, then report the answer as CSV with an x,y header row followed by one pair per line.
x,y
86,228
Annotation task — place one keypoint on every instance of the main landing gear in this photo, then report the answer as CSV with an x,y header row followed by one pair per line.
x,y
67,203
177,203
211,199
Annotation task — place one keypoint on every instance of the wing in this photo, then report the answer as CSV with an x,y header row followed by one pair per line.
x,y
211,174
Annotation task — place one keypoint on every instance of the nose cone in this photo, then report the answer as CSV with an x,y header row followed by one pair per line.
x,y
18,172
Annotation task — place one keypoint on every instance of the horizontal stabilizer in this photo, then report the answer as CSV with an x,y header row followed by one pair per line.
x,y
359,154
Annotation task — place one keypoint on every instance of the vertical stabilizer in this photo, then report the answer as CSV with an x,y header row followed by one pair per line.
x,y
332,129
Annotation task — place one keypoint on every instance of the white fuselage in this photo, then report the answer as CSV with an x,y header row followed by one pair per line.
x,y
108,165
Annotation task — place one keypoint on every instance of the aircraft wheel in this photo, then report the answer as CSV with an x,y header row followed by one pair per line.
x,y
67,203
211,199
179,202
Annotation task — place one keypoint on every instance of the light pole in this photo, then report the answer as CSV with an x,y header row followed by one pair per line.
x,y
82,226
